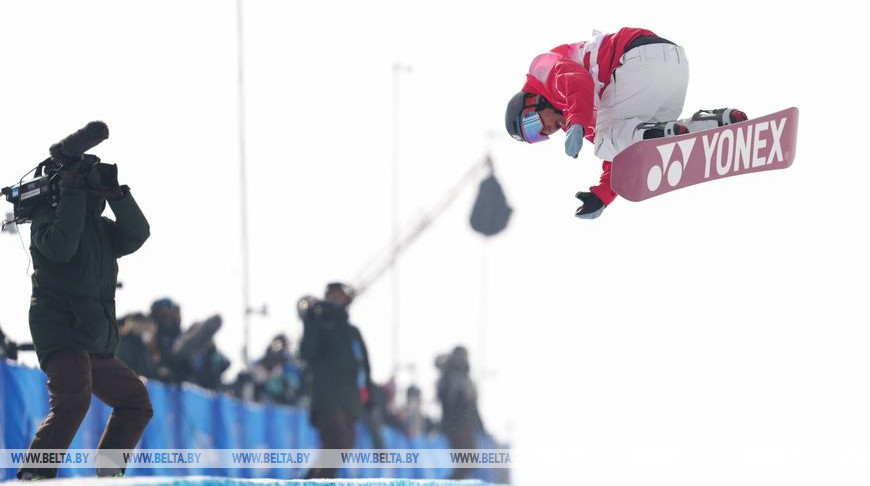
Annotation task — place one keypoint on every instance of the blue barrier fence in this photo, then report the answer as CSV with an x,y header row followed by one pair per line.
x,y
189,417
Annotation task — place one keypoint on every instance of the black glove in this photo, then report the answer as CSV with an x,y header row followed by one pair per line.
x,y
109,187
304,307
592,206
108,176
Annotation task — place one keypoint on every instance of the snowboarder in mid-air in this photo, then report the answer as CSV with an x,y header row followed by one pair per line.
x,y
613,90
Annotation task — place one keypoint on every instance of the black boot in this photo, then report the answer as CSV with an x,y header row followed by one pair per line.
x,y
592,206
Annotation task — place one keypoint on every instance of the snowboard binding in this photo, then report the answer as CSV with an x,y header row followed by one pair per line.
x,y
722,116
650,130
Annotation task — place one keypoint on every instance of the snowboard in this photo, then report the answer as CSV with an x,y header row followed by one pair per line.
x,y
652,167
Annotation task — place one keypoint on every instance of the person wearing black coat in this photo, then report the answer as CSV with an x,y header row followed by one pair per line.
x,y
460,417
338,364
75,251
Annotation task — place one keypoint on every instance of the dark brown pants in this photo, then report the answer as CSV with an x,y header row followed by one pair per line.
x,y
72,377
461,435
337,430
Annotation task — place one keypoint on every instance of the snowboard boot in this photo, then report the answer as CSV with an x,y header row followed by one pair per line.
x,y
646,131
592,206
707,119
31,476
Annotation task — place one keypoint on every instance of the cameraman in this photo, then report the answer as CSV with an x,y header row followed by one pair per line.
x,y
339,365
72,310
460,417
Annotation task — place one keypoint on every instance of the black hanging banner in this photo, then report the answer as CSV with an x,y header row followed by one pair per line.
x,y
491,211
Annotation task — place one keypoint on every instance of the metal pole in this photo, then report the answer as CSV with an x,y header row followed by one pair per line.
x,y
484,291
243,190
398,68
484,280
394,218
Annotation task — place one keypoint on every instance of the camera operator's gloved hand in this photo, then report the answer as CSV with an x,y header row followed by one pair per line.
x,y
574,140
103,179
108,175
304,306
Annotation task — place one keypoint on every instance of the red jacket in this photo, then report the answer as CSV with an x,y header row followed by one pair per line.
x,y
573,76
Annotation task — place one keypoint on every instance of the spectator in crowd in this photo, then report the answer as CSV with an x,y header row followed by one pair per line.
x,y
167,315
460,419
136,336
188,356
374,415
195,352
277,376
8,347
380,412
337,360
414,421
243,387
208,368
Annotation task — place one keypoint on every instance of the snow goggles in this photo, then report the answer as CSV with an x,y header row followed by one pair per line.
x,y
530,118
531,126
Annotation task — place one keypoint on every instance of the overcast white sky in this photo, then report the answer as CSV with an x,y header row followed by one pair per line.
x,y
728,316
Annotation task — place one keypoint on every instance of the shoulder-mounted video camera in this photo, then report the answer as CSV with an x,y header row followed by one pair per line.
x,y
315,311
66,155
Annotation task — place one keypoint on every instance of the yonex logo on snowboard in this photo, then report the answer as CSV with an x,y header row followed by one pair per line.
x,y
674,170
728,151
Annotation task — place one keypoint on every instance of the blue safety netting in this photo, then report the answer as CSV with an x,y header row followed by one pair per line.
x,y
188,417
224,481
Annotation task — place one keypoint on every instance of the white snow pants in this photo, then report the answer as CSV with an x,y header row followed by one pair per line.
x,y
649,86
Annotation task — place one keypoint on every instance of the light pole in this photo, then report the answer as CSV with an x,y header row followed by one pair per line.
x,y
243,190
489,136
398,69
